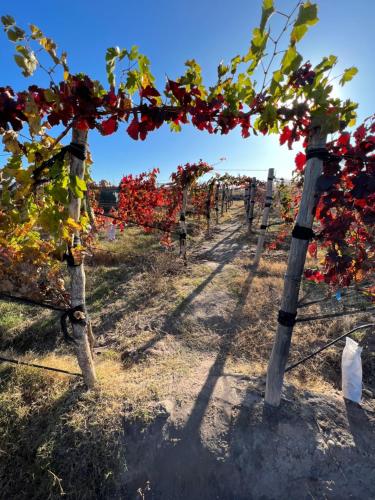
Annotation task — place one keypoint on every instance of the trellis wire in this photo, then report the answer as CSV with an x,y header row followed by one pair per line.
x,y
34,365
306,358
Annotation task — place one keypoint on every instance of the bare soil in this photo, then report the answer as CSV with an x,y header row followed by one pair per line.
x,y
213,437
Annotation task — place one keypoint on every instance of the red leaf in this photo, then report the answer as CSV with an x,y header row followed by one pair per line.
x,y
313,250
149,92
300,161
109,126
285,135
344,139
133,129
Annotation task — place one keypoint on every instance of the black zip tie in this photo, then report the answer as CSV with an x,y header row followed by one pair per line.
x,y
182,218
182,236
69,258
286,318
263,226
302,232
77,150
34,365
74,319
322,154
326,346
267,205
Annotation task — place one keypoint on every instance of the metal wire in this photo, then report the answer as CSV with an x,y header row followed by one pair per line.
x,y
306,358
33,365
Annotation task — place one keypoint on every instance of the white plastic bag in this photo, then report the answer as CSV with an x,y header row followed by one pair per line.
x,y
111,232
351,369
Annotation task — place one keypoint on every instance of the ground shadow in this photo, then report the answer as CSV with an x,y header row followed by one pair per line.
x,y
173,322
41,335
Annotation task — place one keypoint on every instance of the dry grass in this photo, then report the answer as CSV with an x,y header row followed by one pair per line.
x,y
158,322
57,439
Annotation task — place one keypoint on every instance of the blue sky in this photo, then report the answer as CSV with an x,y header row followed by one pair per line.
x,y
170,32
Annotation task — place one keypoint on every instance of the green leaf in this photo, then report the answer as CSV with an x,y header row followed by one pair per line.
x,y
59,194
234,63
111,55
81,184
27,62
175,127
15,34
326,64
7,22
77,186
276,79
133,53
349,73
267,11
307,16
222,70
291,60
36,33
269,115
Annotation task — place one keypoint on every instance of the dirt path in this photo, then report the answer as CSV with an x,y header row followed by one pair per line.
x,y
197,342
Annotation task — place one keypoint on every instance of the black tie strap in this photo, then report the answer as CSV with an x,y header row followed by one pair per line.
x,y
286,318
76,315
77,150
302,233
70,260
321,154
263,226
182,236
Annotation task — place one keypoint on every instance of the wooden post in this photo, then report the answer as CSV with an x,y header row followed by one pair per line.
x,y
81,329
252,193
183,227
296,262
222,198
217,194
226,198
246,201
208,205
265,215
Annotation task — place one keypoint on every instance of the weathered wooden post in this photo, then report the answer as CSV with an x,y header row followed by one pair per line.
x,y
208,205
217,194
226,201
222,198
265,215
301,235
182,224
78,315
246,200
252,193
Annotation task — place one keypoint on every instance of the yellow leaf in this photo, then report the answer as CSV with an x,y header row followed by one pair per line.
x,y
72,223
